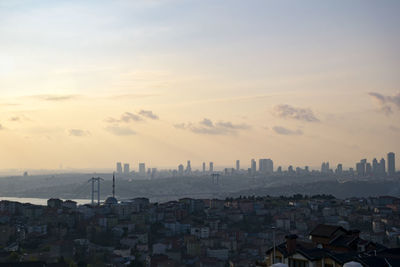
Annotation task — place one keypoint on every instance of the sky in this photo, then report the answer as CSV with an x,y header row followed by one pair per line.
x,y
84,84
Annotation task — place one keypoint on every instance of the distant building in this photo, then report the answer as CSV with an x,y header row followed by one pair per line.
x,y
361,167
119,168
204,167
325,167
382,166
153,173
211,166
368,169
375,166
126,169
188,167
142,169
266,166
290,169
237,165
253,166
180,170
391,163
339,169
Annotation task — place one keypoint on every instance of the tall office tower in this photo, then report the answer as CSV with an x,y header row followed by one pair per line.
x,y
382,167
238,165
270,166
211,166
375,166
279,170
188,167
368,169
142,169
204,167
391,165
266,166
119,168
290,169
126,169
253,166
361,167
180,170
306,169
339,169
323,167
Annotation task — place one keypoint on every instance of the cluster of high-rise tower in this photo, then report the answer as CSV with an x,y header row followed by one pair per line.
x,y
377,168
266,166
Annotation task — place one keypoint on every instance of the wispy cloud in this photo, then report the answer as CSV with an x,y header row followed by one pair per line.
x,y
131,117
56,98
148,114
78,132
385,103
290,112
207,126
285,131
15,119
120,131
19,118
128,117
125,118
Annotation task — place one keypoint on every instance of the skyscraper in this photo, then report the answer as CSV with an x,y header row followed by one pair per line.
x,y
126,169
375,166
211,166
142,169
253,166
188,167
180,170
325,167
238,165
290,169
361,167
368,169
339,169
391,163
266,166
119,168
382,167
204,167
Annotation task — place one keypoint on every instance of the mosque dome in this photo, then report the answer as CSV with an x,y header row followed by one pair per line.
x,y
111,201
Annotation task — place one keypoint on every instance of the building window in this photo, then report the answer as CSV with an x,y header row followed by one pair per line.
x,y
298,263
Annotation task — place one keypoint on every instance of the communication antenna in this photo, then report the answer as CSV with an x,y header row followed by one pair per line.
x,y
93,180
113,188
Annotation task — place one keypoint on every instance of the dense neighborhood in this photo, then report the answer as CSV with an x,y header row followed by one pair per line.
x,y
246,231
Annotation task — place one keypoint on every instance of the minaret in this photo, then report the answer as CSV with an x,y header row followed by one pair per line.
x,y
113,189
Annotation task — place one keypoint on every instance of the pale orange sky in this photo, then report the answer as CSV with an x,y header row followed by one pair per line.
x,y
88,84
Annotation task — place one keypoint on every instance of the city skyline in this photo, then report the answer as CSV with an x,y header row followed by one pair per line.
x,y
266,166
84,83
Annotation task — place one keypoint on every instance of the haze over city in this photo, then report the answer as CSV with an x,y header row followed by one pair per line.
x,y
86,84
